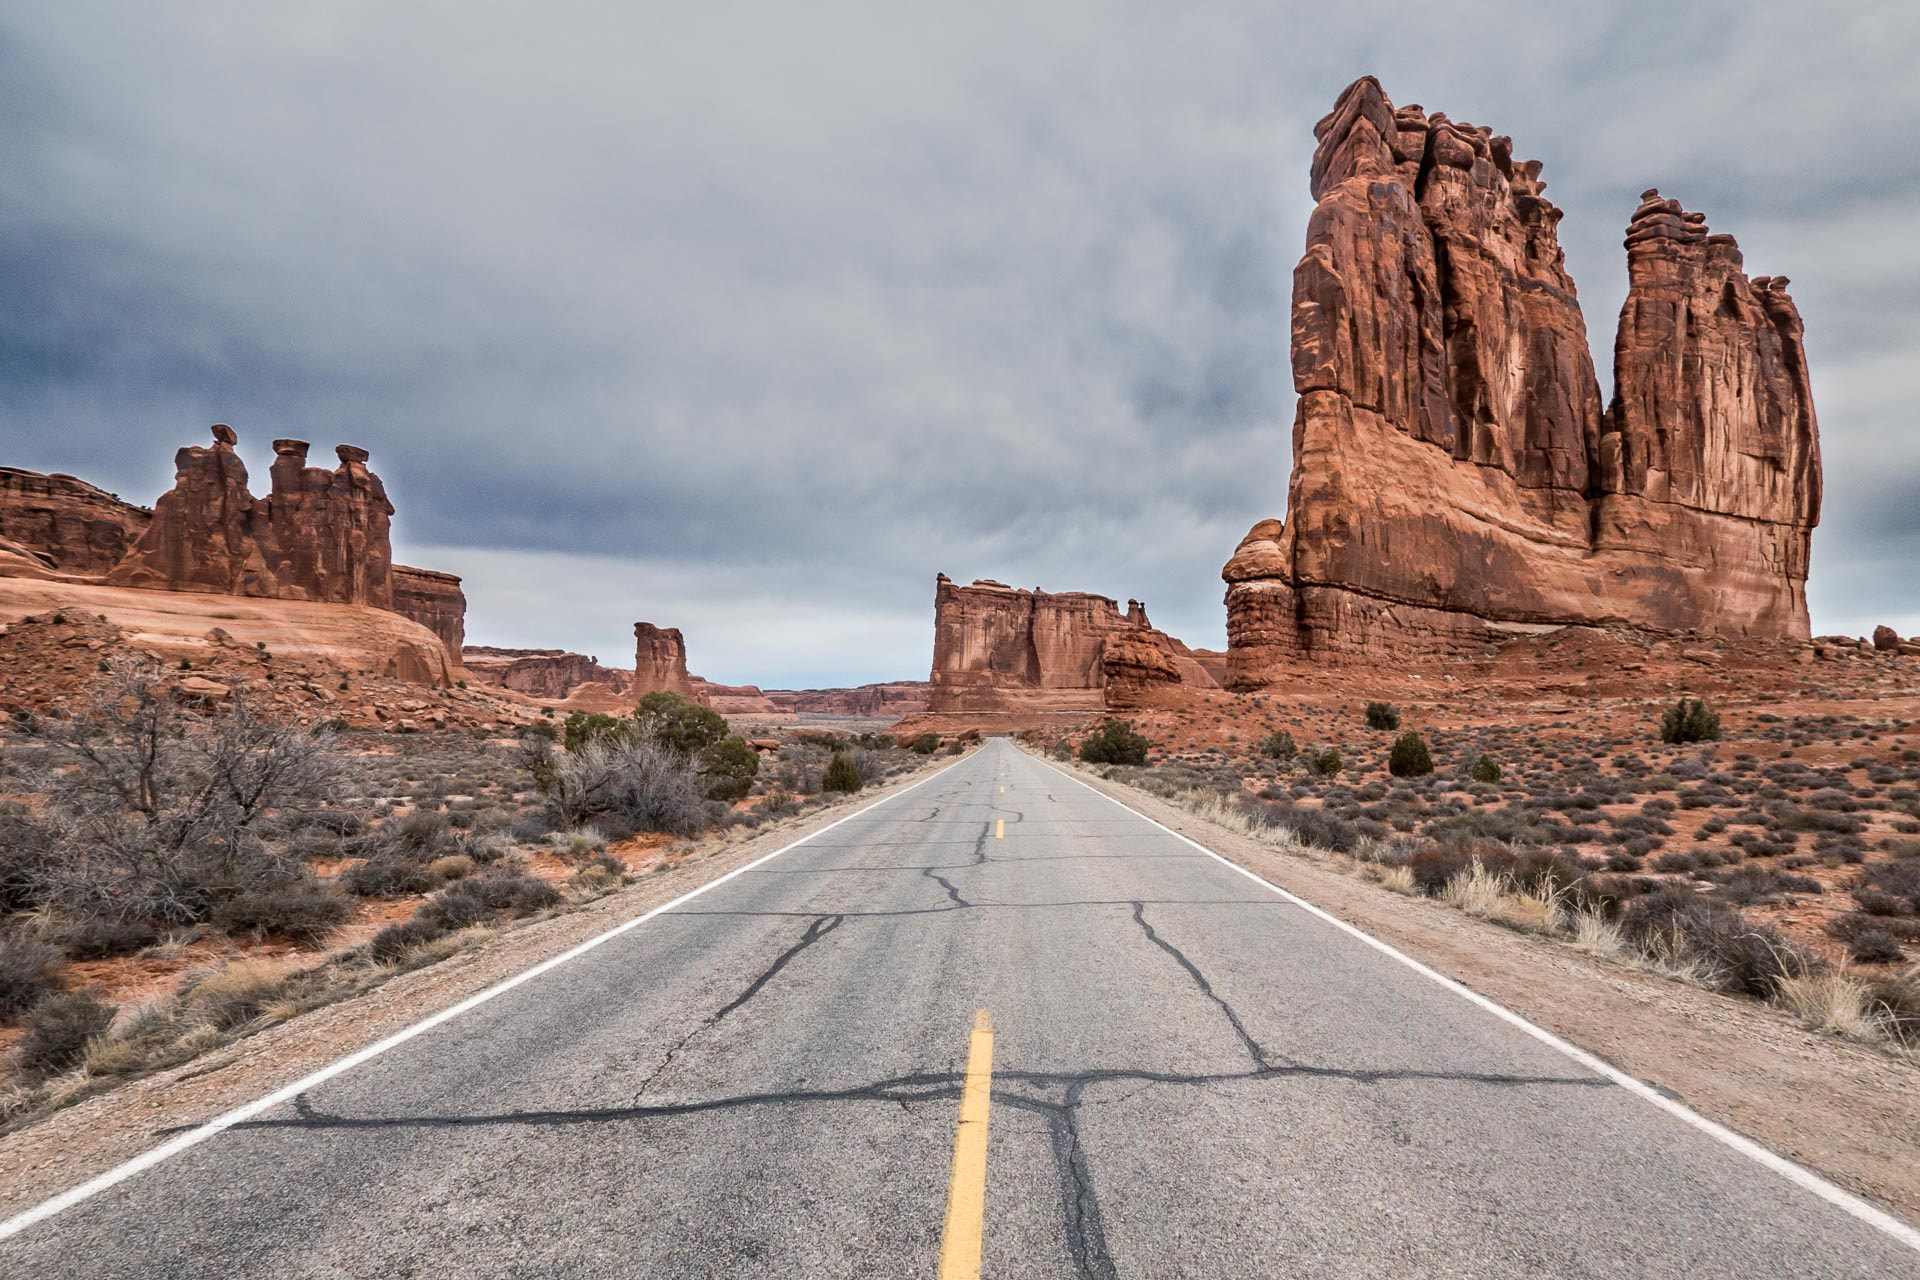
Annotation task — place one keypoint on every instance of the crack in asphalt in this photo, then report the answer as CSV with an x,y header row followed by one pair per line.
x,y
952,892
820,928
1263,903
1082,1227
1253,1047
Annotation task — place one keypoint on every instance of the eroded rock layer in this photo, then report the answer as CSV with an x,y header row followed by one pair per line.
x,y
1453,468
53,525
997,649
552,674
435,601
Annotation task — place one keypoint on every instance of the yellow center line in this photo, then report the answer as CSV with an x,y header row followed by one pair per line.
x,y
967,1187
999,828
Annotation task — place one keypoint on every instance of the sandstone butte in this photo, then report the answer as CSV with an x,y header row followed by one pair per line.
x,y
1455,475
997,650
319,537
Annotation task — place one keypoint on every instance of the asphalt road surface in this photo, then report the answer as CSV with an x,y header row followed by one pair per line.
x,y
1192,1076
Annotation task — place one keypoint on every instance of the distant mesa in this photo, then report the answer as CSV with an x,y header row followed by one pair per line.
x,y
1454,472
319,536
997,650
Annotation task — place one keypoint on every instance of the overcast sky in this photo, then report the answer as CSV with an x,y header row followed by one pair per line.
x,y
749,319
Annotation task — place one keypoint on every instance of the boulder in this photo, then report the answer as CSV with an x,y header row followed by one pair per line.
x,y
1886,639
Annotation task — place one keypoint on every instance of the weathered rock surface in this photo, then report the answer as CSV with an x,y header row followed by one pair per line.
x,y
1886,639
997,650
54,525
660,662
540,673
319,535
435,601
1454,472
194,627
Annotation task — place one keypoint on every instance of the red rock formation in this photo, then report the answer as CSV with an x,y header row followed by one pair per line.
x,y
57,525
996,649
660,662
888,701
436,602
733,699
1453,468
552,674
319,536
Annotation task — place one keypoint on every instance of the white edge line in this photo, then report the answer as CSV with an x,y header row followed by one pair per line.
x,y
1805,1178
193,1137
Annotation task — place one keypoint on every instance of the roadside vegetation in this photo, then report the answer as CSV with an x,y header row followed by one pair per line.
x,y
179,871
1671,853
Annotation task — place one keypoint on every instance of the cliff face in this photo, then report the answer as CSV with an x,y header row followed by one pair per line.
x,y
996,649
55,524
660,663
1453,467
436,602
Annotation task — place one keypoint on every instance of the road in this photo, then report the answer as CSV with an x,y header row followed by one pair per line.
x,y
1191,1076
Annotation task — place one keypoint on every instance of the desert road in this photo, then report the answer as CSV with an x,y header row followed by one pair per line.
x,y
1191,1075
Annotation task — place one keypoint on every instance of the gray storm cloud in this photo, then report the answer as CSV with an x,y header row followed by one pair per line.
x,y
749,319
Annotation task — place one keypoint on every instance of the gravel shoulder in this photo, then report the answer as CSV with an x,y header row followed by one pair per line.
x,y
92,1136
1845,1110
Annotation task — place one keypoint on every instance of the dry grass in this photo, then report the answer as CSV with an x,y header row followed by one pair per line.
x,y
1832,1000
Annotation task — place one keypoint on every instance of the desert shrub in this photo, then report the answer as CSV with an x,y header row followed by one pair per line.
x,y
96,937
582,727
680,723
388,875
59,1029
926,744
298,907
234,994
1409,757
870,765
453,866
1689,720
1382,715
1894,887
1279,746
477,899
1750,884
640,784
730,766
1744,957
1327,763
841,774
156,807
1486,769
397,941
27,967
1114,742
1875,946
1498,825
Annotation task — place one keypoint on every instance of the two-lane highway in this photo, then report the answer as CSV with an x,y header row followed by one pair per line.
x,y
1191,1076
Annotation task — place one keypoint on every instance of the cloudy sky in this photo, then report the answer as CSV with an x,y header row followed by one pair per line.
x,y
748,319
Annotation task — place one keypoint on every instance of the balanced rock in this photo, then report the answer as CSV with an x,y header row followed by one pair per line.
x,y
1454,472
